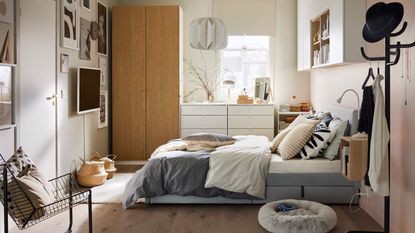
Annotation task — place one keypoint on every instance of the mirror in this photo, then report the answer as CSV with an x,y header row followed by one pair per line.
x,y
262,88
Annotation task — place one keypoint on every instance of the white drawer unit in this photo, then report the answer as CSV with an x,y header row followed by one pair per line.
x,y
229,119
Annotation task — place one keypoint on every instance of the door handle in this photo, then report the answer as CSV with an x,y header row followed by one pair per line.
x,y
52,98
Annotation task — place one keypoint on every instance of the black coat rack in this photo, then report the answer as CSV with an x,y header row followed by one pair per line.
x,y
390,50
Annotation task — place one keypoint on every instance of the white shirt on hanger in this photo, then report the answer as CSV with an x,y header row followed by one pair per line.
x,y
379,162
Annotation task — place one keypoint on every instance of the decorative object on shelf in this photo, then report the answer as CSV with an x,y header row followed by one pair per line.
x,y
203,80
229,83
208,33
5,56
304,107
381,21
70,24
6,11
86,4
102,28
103,110
64,63
91,173
244,99
109,163
339,100
85,46
102,64
284,107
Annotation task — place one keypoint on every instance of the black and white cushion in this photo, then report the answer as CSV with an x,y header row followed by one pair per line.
x,y
320,140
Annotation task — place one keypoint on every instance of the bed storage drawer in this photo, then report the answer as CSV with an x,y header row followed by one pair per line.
x,y
329,195
280,193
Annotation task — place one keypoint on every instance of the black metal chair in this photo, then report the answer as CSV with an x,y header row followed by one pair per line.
x,y
21,209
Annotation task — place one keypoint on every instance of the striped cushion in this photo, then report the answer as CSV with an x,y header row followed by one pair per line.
x,y
295,140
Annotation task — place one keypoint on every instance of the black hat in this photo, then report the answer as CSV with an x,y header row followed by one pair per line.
x,y
381,20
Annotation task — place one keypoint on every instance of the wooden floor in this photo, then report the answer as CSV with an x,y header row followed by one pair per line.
x,y
112,218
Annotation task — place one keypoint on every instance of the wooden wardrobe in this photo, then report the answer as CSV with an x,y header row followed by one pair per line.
x,y
145,79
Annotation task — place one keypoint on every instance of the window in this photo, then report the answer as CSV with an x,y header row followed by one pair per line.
x,y
246,58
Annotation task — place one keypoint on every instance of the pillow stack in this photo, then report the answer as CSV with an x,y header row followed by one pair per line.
x,y
310,136
29,180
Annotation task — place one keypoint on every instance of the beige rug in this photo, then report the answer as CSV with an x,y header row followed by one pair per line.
x,y
112,191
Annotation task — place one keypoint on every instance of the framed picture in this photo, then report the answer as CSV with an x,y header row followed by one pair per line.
x,y
64,63
86,4
70,24
103,110
103,67
85,40
6,11
102,28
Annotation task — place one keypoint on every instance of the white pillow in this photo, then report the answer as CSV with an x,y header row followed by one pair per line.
x,y
318,143
295,140
278,139
340,127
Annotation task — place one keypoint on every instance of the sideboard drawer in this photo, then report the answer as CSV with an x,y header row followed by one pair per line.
x,y
269,133
251,110
204,110
242,122
188,132
204,122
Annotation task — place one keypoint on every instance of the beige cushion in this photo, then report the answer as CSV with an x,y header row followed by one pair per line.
x,y
278,139
295,140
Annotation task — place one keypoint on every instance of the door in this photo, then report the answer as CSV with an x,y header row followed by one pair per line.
x,y
128,83
162,73
37,84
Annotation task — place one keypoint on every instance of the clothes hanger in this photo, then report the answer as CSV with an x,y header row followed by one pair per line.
x,y
370,74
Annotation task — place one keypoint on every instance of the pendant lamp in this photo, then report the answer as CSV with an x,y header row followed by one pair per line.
x,y
208,33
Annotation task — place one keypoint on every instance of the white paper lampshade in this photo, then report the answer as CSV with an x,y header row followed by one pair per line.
x,y
208,33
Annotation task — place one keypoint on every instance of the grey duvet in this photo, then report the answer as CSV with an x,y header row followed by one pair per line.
x,y
180,173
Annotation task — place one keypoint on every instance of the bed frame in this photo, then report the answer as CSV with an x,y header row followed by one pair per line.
x,y
328,188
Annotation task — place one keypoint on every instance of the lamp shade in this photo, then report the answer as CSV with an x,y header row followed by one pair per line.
x,y
208,33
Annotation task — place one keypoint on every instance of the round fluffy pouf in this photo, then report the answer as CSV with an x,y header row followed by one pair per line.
x,y
309,217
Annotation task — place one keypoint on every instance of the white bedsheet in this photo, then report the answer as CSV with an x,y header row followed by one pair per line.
x,y
297,165
241,167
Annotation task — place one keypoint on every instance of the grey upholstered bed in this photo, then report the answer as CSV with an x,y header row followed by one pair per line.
x,y
316,180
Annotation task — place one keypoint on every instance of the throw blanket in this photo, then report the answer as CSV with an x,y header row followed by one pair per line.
x,y
175,173
241,167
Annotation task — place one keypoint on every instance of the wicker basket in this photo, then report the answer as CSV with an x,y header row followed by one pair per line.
x,y
109,164
92,174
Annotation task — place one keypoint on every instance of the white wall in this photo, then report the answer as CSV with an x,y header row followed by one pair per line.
x,y
70,125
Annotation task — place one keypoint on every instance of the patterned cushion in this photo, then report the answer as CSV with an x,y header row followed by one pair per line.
x,y
339,126
320,140
278,139
295,140
19,163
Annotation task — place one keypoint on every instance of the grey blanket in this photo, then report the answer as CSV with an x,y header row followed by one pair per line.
x,y
181,173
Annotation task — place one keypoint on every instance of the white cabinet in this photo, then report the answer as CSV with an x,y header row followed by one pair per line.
x,y
227,119
346,20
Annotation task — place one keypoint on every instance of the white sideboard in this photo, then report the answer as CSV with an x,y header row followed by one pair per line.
x,y
230,119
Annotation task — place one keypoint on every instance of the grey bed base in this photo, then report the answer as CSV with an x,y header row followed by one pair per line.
x,y
328,188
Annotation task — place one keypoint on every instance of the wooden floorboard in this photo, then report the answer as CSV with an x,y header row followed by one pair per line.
x,y
143,218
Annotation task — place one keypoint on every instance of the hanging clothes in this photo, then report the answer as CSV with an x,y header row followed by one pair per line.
x,y
379,162
366,121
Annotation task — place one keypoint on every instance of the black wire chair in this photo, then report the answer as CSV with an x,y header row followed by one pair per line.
x,y
17,204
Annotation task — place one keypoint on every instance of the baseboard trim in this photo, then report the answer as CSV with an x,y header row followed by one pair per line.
x,y
135,162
